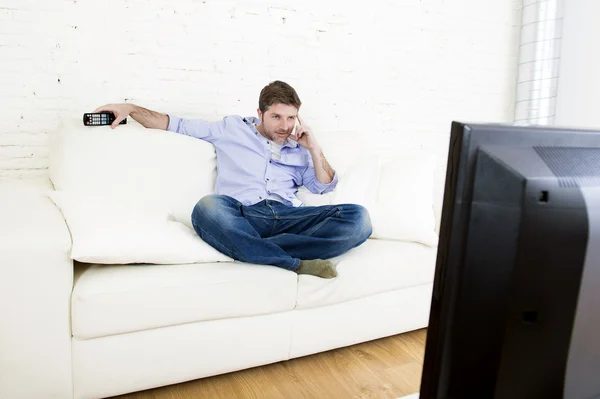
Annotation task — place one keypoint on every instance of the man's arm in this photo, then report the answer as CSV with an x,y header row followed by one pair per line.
x,y
319,177
323,170
304,136
197,128
145,117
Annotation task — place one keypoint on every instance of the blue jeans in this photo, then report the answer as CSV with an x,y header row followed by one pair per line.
x,y
272,233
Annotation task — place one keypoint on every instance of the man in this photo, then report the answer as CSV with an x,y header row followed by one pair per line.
x,y
254,215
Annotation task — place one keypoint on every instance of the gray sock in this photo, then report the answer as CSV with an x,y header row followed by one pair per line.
x,y
317,267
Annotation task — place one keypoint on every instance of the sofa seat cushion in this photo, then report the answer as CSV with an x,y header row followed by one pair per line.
x,y
374,267
116,299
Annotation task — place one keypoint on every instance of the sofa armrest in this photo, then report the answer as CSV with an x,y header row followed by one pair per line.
x,y
36,280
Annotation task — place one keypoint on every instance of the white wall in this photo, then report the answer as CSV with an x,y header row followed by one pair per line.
x,y
578,101
399,70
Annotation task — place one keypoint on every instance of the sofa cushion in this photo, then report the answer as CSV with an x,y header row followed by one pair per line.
x,y
397,190
374,267
111,300
111,230
343,148
404,205
135,162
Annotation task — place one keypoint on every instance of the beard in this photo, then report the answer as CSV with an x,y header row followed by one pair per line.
x,y
278,136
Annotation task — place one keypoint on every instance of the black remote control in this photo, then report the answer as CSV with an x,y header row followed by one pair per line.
x,y
100,119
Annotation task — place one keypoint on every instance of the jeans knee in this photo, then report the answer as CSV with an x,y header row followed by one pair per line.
x,y
209,207
360,220
364,228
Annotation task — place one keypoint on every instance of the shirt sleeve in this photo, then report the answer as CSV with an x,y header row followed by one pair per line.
x,y
314,185
198,128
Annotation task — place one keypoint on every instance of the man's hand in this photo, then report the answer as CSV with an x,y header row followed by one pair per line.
x,y
121,112
304,136
145,117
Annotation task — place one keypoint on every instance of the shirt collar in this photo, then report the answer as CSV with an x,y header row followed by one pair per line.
x,y
251,120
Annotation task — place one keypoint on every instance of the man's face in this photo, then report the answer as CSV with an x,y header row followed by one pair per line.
x,y
278,121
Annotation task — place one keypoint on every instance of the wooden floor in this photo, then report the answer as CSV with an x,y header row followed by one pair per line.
x,y
386,368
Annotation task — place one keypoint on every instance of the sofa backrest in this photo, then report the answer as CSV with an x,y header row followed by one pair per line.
x,y
344,148
167,168
150,165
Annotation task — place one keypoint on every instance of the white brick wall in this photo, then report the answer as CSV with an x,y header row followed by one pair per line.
x,y
398,70
578,99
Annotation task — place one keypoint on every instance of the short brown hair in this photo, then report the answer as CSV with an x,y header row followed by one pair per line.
x,y
278,92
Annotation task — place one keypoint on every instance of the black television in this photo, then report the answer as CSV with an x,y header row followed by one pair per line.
x,y
515,309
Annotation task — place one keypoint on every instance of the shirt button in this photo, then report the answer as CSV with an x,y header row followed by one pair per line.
x,y
259,197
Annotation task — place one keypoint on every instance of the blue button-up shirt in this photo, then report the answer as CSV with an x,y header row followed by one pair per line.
x,y
246,170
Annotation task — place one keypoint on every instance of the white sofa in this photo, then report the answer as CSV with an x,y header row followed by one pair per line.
x,y
89,330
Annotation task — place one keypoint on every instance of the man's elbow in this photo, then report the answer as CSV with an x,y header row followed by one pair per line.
x,y
326,180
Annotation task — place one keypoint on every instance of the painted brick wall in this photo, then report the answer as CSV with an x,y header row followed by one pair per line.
x,y
398,71
578,98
